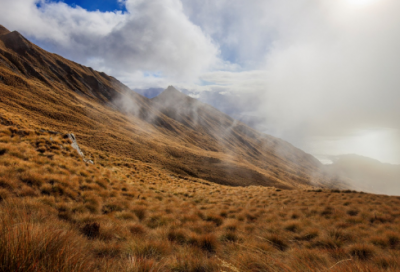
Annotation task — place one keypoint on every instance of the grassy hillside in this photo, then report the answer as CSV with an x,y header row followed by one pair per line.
x,y
156,197
175,132
60,214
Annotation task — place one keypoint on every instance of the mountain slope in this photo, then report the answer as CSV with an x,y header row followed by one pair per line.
x,y
225,134
171,132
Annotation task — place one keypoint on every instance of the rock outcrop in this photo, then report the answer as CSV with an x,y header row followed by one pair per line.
x,y
75,146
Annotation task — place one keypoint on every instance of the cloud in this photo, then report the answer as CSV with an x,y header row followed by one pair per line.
x,y
327,71
154,37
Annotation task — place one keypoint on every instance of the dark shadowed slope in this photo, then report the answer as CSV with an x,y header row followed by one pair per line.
x,y
171,132
23,58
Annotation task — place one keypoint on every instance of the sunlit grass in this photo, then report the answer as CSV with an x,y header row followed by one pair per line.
x,y
61,214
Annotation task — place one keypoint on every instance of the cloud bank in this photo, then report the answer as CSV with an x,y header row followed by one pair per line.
x,y
326,81
153,39
320,74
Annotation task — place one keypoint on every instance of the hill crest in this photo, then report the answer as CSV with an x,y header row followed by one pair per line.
x,y
3,30
16,42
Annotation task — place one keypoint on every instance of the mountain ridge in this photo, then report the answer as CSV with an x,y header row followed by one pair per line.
x,y
3,30
171,131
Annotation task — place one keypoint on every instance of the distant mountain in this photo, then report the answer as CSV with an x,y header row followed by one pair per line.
x,y
367,174
172,132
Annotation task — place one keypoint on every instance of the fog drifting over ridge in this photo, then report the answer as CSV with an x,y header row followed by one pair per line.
x,y
320,74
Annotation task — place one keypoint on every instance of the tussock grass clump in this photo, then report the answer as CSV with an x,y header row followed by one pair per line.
x,y
208,242
379,240
308,234
140,212
389,263
393,240
4,194
178,236
292,226
145,265
302,260
46,189
32,178
28,242
137,229
157,220
125,215
218,220
231,225
352,212
229,236
91,230
189,263
112,207
3,150
362,251
277,241
107,250
26,191
147,249
340,235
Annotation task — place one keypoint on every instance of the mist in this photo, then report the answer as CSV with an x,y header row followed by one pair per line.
x,y
326,82
367,174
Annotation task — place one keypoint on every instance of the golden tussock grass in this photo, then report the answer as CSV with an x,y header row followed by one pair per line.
x,y
60,214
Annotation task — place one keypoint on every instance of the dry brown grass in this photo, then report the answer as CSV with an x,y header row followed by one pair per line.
x,y
61,214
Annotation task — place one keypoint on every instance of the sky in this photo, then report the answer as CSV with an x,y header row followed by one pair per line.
x,y
321,74
90,5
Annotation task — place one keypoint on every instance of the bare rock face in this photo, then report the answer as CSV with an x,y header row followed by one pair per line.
x,y
75,146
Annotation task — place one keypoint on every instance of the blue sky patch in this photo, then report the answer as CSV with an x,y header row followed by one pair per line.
x,y
206,83
93,5
152,74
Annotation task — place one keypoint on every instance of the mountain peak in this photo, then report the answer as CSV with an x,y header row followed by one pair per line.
x,y
171,94
3,30
171,90
15,41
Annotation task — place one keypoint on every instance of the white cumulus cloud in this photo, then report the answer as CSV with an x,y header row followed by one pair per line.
x,y
154,37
